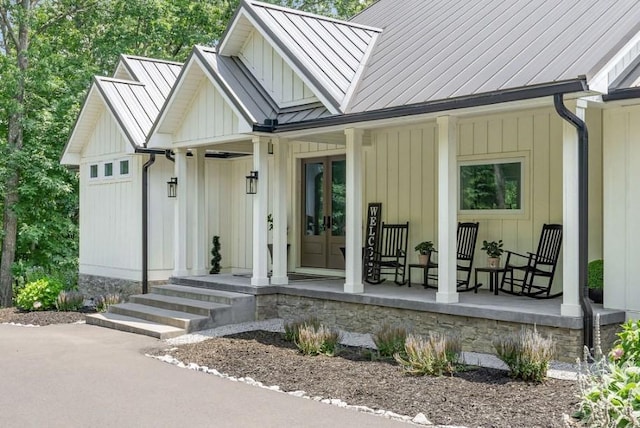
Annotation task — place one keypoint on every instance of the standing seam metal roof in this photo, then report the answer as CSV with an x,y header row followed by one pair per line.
x,y
438,49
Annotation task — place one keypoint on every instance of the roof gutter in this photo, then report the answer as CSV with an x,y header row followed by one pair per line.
x,y
496,97
622,94
583,216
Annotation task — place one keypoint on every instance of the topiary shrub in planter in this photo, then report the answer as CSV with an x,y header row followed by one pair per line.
x,y
595,280
39,295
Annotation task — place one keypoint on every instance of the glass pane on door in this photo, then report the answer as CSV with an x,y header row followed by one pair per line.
x,y
314,199
338,196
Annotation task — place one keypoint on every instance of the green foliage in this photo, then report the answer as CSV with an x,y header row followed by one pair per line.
x,y
610,389
424,247
527,355
216,257
493,248
68,301
595,274
434,355
39,295
627,347
292,328
490,186
314,341
390,340
103,302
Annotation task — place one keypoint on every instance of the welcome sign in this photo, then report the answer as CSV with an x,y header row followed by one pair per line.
x,y
371,255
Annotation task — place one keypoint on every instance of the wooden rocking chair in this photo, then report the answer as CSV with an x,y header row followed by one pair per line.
x,y
537,272
391,254
466,246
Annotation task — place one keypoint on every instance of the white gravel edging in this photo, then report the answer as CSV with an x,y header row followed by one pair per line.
x,y
19,325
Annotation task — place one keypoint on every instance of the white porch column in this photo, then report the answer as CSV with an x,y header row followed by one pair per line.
x,y
280,205
260,212
570,217
447,209
180,217
353,238
199,227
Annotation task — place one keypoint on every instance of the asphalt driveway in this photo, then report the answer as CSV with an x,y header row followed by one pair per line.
x,y
80,375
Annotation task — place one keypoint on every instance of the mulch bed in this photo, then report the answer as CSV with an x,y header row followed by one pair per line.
x,y
477,397
14,315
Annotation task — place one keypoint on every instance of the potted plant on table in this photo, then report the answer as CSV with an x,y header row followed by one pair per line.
x,y
595,280
494,251
424,250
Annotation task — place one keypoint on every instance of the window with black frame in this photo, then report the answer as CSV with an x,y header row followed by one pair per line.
x,y
491,186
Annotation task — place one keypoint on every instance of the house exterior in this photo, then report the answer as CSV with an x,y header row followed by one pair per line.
x,y
392,106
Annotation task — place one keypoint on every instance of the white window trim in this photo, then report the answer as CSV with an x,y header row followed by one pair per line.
x,y
525,184
105,176
97,177
128,174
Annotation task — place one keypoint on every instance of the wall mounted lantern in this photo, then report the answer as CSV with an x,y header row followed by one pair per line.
x,y
252,183
270,147
172,187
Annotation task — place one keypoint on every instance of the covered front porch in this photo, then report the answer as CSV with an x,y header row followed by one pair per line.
x,y
477,318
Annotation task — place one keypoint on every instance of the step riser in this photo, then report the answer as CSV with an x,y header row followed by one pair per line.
x,y
129,329
175,322
170,306
193,295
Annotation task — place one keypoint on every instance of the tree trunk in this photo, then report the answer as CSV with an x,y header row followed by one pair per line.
x,y
14,145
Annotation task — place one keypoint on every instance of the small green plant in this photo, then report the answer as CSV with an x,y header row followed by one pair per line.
x,y
390,340
492,248
609,388
39,295
68,301
627,347
434,355
595,274
292,328
424,247
215,256
314,341
527,355
103,302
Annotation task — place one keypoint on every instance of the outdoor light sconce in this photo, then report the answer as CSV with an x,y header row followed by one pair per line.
x,y
270,147
172,187
252,183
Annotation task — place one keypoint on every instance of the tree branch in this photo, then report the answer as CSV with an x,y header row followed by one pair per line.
x,y
62,15
7,27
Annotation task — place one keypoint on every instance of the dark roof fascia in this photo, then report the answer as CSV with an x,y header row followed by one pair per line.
x,y
622,94
115,113
183,71
477,100
223,84
291,56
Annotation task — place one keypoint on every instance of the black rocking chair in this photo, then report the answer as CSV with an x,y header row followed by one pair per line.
x,y
466,246
536,273
391,254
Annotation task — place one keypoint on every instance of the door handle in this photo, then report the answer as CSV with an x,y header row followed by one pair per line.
x,y
327,223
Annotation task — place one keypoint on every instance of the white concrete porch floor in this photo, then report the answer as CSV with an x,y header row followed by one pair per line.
x,y
484,304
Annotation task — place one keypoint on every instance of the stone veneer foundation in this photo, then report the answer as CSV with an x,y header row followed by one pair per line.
x,y
92,286
476,334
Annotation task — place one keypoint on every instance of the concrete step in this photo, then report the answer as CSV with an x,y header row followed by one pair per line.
x,y
197,293
134,325
181,304
184,320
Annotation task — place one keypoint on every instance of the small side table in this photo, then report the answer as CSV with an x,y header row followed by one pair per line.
x,y
493,277
424,272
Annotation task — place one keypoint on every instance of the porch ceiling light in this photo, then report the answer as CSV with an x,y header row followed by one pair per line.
x,y
172,187
252,183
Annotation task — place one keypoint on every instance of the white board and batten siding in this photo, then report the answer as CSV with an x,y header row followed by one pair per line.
x,y
208,117
621,207
110,208
276,76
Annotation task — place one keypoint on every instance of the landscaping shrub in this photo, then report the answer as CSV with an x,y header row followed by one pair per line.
x,y
390,340
434,355
39,295
103,302
291,329
314,341
627,347
610,389
69,301
595,274
527,355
